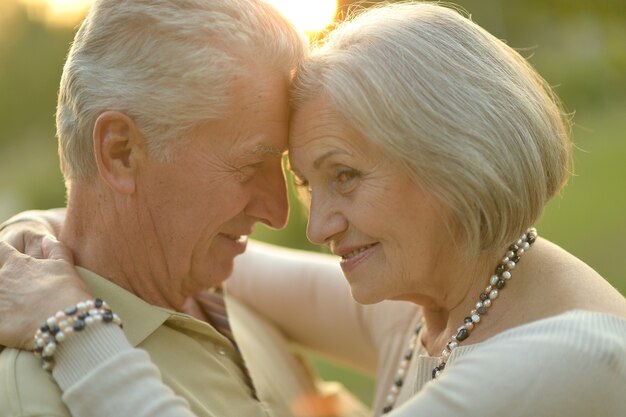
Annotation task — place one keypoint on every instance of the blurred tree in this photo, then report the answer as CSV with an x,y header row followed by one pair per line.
x,y
31,61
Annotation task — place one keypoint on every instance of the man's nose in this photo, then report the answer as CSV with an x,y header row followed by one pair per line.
x,y
272,206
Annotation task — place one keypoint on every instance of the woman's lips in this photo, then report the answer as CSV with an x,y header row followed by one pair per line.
x,y
356,256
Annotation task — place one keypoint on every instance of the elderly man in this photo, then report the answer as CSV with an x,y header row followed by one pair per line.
x,y
172,120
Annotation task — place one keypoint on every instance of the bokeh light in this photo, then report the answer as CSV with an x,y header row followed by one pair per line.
x,y
57,12
308,15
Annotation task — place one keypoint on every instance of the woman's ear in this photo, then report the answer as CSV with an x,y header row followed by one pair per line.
x,y
119,148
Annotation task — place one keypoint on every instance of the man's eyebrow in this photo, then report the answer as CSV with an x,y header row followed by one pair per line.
x,y
268,150
318,162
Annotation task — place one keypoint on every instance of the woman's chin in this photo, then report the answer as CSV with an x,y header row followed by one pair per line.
x,y
366,295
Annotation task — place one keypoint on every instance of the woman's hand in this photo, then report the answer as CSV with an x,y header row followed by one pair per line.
x,y
25,230
31,289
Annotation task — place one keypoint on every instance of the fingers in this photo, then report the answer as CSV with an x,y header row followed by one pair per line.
x,y
48,248
26,236
14,239
6,251
33,245
53,249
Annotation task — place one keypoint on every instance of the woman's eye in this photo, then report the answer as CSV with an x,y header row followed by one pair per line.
x,y
345,176
345,179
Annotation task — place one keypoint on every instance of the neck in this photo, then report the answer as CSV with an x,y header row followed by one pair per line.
x,y
442,324
106,234
464,283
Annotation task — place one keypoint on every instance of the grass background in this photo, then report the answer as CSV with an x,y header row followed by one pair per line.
x,y
578,46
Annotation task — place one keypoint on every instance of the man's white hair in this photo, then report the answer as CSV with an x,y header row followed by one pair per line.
x,y
167,64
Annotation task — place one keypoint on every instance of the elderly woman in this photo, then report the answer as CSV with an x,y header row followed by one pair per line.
x,y
427,149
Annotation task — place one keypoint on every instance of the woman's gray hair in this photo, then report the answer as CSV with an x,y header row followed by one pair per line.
x,y
468,117
166,64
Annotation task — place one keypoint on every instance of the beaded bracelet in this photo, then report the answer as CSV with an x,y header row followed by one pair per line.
x,y
64,323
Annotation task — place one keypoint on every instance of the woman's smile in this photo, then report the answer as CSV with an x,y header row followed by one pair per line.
x,y
351,257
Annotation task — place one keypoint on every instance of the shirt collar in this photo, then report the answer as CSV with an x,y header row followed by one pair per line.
x,y
140,318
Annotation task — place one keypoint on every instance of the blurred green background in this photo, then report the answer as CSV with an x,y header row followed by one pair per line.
x,y
578,46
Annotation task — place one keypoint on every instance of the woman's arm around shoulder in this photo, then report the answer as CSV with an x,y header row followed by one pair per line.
x,y
306,295
102,375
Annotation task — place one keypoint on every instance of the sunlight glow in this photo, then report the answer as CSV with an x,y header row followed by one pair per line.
x,y
57,12
308,15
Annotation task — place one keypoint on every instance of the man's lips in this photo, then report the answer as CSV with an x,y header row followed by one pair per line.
x,y
236,242
236,237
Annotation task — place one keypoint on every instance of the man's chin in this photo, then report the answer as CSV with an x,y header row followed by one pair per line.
x,y
213,277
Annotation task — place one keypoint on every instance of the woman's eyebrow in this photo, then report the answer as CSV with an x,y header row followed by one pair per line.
x,y
318,162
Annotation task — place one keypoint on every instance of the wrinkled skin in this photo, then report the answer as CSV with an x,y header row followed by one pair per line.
x,y
19,297
29,245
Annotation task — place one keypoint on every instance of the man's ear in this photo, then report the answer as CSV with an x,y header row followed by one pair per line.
x,y
119,148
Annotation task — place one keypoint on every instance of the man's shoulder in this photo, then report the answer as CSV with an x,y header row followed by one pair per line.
x,y
26,389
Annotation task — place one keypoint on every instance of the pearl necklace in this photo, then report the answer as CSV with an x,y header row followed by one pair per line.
x,y
394,391
497,281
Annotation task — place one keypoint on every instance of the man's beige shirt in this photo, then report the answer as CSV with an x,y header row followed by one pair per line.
x,y
194,359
